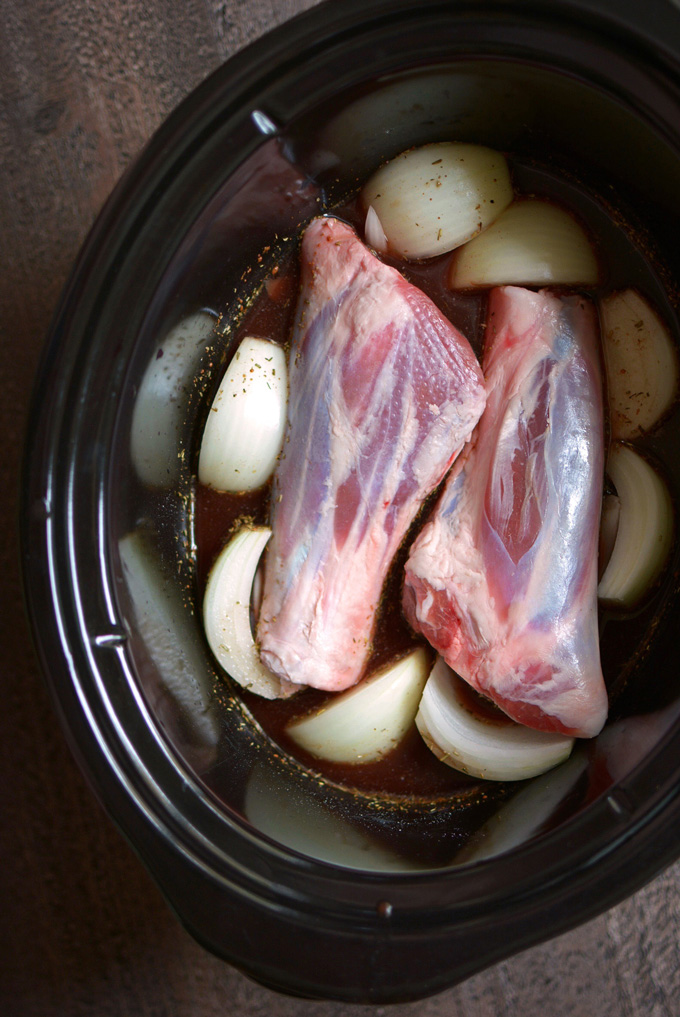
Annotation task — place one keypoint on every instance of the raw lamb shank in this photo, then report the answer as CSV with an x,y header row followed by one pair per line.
x,y
384,393
502,580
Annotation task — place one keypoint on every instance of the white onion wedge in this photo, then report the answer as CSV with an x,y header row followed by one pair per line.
x,y
244,430
169,633
533,243
524,815
161,404
641,362
645,530
431,199
420,107
277,808
226,614
479,746
366,722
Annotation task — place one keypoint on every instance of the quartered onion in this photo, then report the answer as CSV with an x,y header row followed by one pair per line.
x,y
168,630
226,614
645,530
366,722
533,243
525,814
641,362
378,125
431,199
244,430
476,744
275,806
161,405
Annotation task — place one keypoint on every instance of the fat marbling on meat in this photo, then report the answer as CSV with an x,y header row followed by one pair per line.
x,y
502,580
384,392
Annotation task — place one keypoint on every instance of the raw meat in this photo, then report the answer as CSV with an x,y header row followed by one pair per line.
x,y
384,392
502,580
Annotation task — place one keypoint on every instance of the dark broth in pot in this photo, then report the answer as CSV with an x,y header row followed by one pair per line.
x,y
411,771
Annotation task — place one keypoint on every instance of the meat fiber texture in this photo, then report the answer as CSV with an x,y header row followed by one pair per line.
x,y
502,580
384,392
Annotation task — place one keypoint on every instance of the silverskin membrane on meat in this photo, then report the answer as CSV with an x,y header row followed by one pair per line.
x,y
502,580
384,393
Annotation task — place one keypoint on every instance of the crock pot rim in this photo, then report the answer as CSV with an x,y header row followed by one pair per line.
x,y
38,524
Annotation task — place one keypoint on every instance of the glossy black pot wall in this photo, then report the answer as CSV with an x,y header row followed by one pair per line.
x,y
285,128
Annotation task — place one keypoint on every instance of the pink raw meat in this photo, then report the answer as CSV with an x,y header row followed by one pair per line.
x,y
384,392
502,580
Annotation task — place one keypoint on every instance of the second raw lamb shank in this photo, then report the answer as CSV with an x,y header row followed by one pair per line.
x,y
502,580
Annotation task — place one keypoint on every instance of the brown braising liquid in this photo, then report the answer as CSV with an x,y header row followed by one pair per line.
x,y
411,769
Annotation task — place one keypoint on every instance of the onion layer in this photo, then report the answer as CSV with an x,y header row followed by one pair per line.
x,y
479,746
226,615
244,431
641,361
645,530
431,199
374,234
609,527
533,243
366,722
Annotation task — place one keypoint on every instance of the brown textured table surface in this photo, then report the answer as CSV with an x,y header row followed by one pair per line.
x,y
83,930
